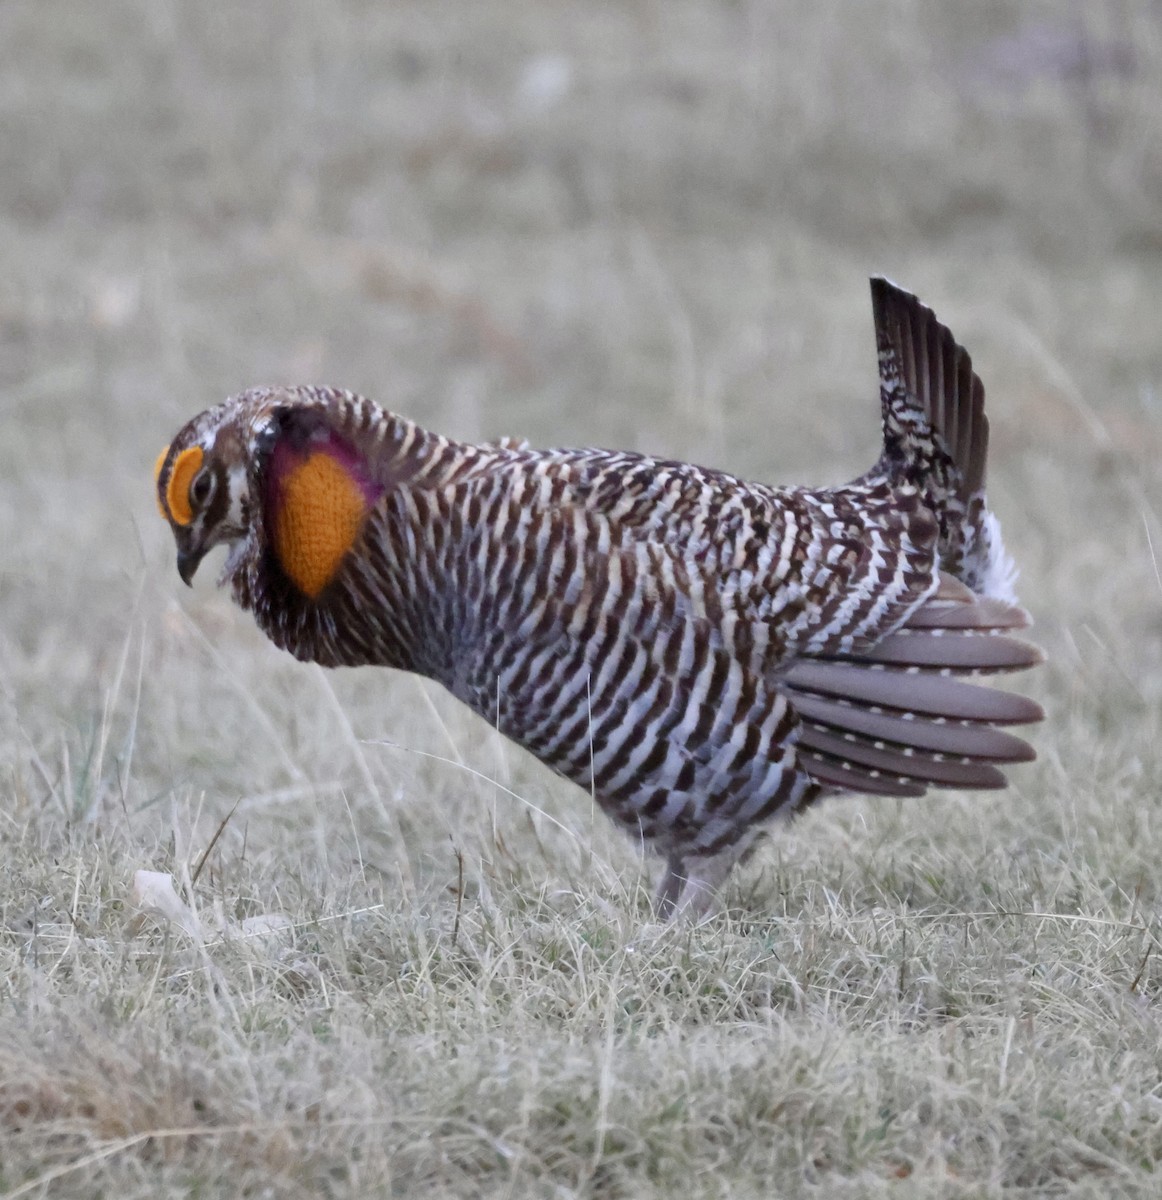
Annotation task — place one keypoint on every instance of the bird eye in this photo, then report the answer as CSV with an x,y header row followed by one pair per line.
x,y
201,488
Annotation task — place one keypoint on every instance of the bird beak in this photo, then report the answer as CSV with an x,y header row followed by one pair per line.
x,y
188,560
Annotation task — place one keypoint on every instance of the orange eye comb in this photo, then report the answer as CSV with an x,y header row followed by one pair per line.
x,y
177,491
157,466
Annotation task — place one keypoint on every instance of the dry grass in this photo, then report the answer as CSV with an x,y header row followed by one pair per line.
x,y
619,224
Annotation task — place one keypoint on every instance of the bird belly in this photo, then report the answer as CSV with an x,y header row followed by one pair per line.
x,y
686,759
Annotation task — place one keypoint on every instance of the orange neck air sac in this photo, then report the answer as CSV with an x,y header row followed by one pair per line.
x,y
318,498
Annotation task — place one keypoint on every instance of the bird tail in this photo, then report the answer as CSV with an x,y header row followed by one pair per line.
x,y
936,436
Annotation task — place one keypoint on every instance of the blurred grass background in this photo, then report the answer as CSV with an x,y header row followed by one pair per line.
x,y
623,223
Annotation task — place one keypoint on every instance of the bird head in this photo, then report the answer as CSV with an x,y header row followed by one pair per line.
x,y
276,475
204,483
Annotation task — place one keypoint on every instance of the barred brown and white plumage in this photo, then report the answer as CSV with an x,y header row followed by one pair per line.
x,y
703,653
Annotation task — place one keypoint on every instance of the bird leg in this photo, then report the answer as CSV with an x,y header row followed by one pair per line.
x,y
670,887
689,885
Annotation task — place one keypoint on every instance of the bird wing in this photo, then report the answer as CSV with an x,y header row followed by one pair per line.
x,y
901,710
833,599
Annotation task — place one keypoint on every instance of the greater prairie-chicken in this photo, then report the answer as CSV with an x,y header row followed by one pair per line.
x,y
702,653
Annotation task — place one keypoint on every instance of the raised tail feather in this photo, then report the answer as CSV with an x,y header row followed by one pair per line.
x,y
936,436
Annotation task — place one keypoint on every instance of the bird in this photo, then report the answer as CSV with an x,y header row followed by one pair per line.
x,y
705,656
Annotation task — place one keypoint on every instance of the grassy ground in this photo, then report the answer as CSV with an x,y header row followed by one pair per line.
x,y
614,223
